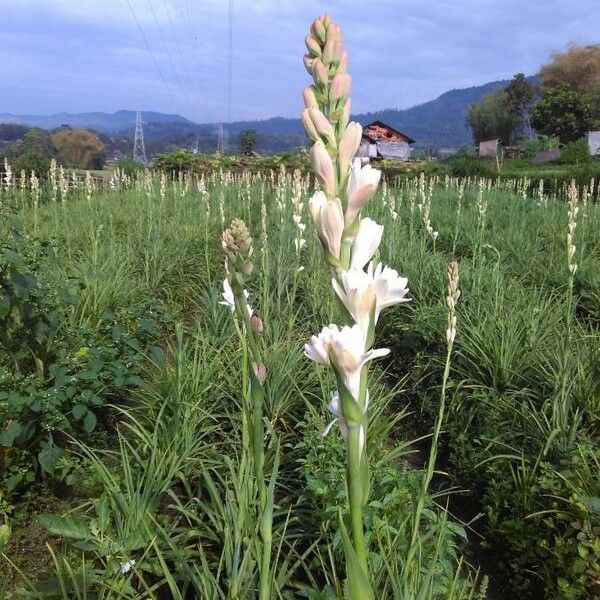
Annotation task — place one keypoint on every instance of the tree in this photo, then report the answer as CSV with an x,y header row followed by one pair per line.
x,y
247,141
79,148
562,112
493,117
579,66
521,95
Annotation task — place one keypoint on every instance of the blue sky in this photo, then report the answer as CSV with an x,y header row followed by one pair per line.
x,y
87,55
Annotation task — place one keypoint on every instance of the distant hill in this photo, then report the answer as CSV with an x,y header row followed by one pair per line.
x,y
438,123
99,121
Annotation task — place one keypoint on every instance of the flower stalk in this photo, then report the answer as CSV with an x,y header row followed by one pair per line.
x,y
363,287
238,249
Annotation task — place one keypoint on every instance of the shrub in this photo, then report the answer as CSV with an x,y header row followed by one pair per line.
x,y
575,153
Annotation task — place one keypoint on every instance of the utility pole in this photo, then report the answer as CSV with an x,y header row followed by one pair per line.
x,y
139,149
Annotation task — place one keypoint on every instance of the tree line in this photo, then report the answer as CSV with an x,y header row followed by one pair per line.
x,y
565,104
32,149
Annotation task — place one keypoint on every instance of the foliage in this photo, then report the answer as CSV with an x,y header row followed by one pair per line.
x,y
561,112
79,148
541,143
247,141
520,97
129,166
160,480
575,153
579,67
53,385
493,117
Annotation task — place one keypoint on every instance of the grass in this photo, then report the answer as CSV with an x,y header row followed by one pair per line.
x,y
165,485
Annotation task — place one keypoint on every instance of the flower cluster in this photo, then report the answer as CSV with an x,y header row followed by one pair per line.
x,y
364,286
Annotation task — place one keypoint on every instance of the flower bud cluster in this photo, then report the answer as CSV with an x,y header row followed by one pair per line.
x,y
451,300
573,211
237,245
350,242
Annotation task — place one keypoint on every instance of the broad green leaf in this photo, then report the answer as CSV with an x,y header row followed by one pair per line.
x,y
67,526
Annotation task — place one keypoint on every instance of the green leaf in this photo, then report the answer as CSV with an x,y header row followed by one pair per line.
x,y
592,503
67,526
78,411
49,456
12,431
89,423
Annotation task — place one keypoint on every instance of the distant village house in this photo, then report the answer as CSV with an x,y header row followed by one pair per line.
x,y
489,148
593,140
382,141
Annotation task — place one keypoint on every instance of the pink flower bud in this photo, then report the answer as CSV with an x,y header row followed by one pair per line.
x,y
309,64
343,62
260,371
318,29
312,45
308,125
348,146
256,323
345,113
340,86
338,53
326,21
362,185
328,53
322,167
323,126
334,33
320,72
310,98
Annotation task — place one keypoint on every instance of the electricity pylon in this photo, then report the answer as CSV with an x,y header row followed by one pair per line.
x,y
139,149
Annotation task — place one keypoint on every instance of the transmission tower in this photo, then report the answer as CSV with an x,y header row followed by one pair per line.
x,y
221,139
139,149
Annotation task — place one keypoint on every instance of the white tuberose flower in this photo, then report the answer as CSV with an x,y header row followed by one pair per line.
x,y
362,185
229,299
366,243
344,350
359,291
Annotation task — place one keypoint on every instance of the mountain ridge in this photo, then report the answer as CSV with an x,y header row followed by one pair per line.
x,y
437,123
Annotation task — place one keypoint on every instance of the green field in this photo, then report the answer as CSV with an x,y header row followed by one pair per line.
x,y
124,467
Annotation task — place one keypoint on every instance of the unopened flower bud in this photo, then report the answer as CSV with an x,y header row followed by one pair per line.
x,y
310,98
327,57
323,126
334,33
257,324
326,21
322,166
260,371
318,29
309,126
338,52
340,86
309,63
343,62
348,146
313,47
320,72
345,113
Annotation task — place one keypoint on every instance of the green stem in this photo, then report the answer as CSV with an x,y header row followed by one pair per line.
x,y
355,495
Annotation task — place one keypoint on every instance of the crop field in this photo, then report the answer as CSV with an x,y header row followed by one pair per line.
x,y
128,470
